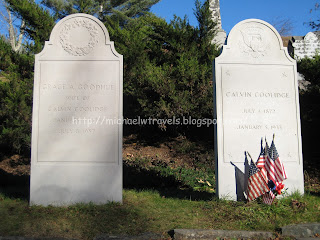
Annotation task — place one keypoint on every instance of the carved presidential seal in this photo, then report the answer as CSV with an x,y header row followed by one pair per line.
x,y
79,36
254,42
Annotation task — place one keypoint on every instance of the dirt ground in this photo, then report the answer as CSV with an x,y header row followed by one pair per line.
x,y
171,152
177,152
16,165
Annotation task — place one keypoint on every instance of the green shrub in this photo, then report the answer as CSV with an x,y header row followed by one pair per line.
x,y
310,107
15,100
167,67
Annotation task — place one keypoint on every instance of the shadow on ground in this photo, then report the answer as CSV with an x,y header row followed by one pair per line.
x,y
14,186
142,179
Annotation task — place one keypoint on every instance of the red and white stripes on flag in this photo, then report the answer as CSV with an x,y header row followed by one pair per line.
x,y
264,174
257,184
268,198
273,165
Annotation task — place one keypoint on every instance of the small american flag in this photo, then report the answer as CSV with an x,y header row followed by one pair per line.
x,y
262,157
268,198
257,184
274,166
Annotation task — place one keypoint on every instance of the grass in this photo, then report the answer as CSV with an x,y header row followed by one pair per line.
x,y
157,198
149,211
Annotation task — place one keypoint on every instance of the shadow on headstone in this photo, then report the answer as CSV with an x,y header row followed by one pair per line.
x,y
241,179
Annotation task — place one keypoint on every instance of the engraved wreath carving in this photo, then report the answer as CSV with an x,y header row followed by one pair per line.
x,y
66,37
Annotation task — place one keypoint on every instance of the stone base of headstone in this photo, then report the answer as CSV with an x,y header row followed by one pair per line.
x,y
67,185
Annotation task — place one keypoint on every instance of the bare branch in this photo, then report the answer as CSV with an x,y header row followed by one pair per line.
x,y
18,46
284,26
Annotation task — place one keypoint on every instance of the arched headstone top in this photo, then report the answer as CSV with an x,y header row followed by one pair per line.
x,y
310,37
255,40
79,35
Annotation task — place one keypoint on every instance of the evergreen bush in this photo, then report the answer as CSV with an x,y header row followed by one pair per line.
x,y
167,66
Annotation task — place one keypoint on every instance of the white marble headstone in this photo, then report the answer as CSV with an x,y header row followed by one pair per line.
x,y
77,111
256,95
307,46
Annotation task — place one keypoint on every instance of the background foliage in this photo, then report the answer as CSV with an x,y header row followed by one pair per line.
x,y
310,106
167,66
